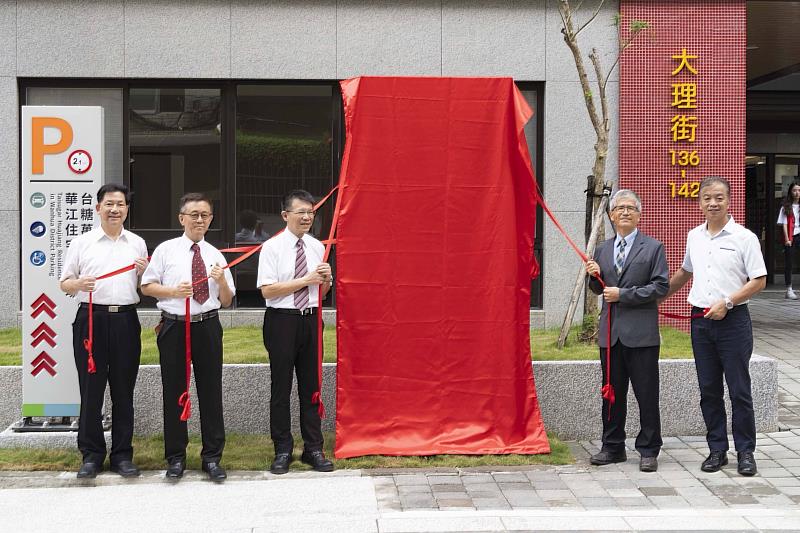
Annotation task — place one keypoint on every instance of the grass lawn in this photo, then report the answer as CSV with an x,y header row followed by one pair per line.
x,y
254,452
244,345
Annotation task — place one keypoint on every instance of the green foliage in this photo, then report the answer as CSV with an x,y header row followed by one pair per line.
x,y
287,152
255,452
244,345
638,25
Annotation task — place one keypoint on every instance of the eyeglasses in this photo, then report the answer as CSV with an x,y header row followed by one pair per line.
x,y
302,213
198,216
626,209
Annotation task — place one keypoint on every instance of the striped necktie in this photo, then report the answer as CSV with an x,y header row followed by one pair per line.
x,y
300,270
619,261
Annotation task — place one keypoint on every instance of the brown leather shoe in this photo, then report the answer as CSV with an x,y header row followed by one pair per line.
x,y
606,458
648,464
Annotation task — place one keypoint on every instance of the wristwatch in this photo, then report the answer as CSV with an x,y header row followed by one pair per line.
x,y
728,303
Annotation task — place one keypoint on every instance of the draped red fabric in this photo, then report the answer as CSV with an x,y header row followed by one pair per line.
x,y
434,259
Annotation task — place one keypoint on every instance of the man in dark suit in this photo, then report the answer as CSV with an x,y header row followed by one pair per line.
x,y
634,269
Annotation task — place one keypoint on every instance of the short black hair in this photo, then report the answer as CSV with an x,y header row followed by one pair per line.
x,y
194,197
297,194
711,180
113,187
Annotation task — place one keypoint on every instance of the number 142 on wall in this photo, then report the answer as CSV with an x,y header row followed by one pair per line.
x,y
689,189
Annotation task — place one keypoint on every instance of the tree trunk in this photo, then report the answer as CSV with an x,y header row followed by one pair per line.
x,y
597,226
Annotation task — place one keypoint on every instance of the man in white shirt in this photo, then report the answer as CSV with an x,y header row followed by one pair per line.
x,y
176,272
292,279
116,345
725,261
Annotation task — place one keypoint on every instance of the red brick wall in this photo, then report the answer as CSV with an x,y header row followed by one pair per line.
x,y
714,31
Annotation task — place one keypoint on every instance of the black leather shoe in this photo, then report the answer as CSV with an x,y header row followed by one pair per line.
x,y
648,464
714,461
606,458
281,463
175,470
89,470
747,464
317,461
215,472
125,469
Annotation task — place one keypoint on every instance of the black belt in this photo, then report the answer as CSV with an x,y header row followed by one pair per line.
x,y
193,318
697,310
306,311
109,308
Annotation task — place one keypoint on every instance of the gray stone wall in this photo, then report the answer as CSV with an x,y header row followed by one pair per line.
x,y
314,39
568,393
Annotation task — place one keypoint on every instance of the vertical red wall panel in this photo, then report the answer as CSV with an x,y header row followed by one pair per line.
x,y
657,125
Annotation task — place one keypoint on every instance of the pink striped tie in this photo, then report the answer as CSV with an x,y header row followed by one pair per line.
x,y
300,270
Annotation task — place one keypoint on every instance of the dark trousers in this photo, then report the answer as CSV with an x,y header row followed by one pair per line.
x,y
640,367
291,341
723,348
788,251
207,365
116,350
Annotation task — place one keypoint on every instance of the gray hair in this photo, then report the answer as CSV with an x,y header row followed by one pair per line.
x,y
711,180
625,193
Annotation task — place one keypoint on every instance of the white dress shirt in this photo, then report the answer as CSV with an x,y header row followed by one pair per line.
x,y
94,253
796,213
721,264
276,263
171,264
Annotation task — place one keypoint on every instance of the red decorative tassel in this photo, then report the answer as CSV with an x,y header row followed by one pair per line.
x,y
87,343
186,402
317,399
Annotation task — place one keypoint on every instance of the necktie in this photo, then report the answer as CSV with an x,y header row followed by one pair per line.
x,y
619,261
300,270
198,273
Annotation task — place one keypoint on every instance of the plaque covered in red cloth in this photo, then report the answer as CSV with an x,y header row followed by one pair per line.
x,y
434,261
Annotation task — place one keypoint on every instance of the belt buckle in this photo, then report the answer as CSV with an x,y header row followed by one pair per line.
x,y
113,309
306,311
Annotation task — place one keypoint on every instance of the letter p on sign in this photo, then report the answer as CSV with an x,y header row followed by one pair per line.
x,y
39,149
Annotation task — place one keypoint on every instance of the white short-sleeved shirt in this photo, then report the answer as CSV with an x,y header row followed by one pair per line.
x,y
721,264
796,212
94,254
171,264
276,264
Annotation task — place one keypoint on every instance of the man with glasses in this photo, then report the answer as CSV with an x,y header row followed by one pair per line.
x,y
116,330
293,279
634,269
177,270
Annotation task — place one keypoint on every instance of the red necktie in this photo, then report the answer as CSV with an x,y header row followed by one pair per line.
x,y
198,273
300,270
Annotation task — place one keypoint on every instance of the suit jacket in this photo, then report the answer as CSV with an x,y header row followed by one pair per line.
x,y
643,280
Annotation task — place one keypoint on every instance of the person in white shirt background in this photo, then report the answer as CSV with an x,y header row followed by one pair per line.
x,y
789,220
116,335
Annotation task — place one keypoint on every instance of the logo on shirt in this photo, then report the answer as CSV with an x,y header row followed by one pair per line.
x,y
38,229
38,258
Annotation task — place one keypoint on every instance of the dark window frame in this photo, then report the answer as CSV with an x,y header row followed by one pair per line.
x,y
228,148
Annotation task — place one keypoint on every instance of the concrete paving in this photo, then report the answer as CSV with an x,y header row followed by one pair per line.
x,y
578,497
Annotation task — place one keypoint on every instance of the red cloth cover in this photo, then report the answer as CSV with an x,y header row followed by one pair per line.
x,y
434,260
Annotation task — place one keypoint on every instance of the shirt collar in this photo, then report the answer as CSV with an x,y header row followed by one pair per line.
x,y
628,240
187,242
727,228
98,234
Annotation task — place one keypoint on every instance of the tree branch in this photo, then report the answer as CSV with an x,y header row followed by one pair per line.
x,y
594,16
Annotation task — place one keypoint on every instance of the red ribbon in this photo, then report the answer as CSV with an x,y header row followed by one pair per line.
x,y
607,390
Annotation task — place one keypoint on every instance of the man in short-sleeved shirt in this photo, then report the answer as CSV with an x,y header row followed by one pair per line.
x,y
175,273
116,342
292,277
724,260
